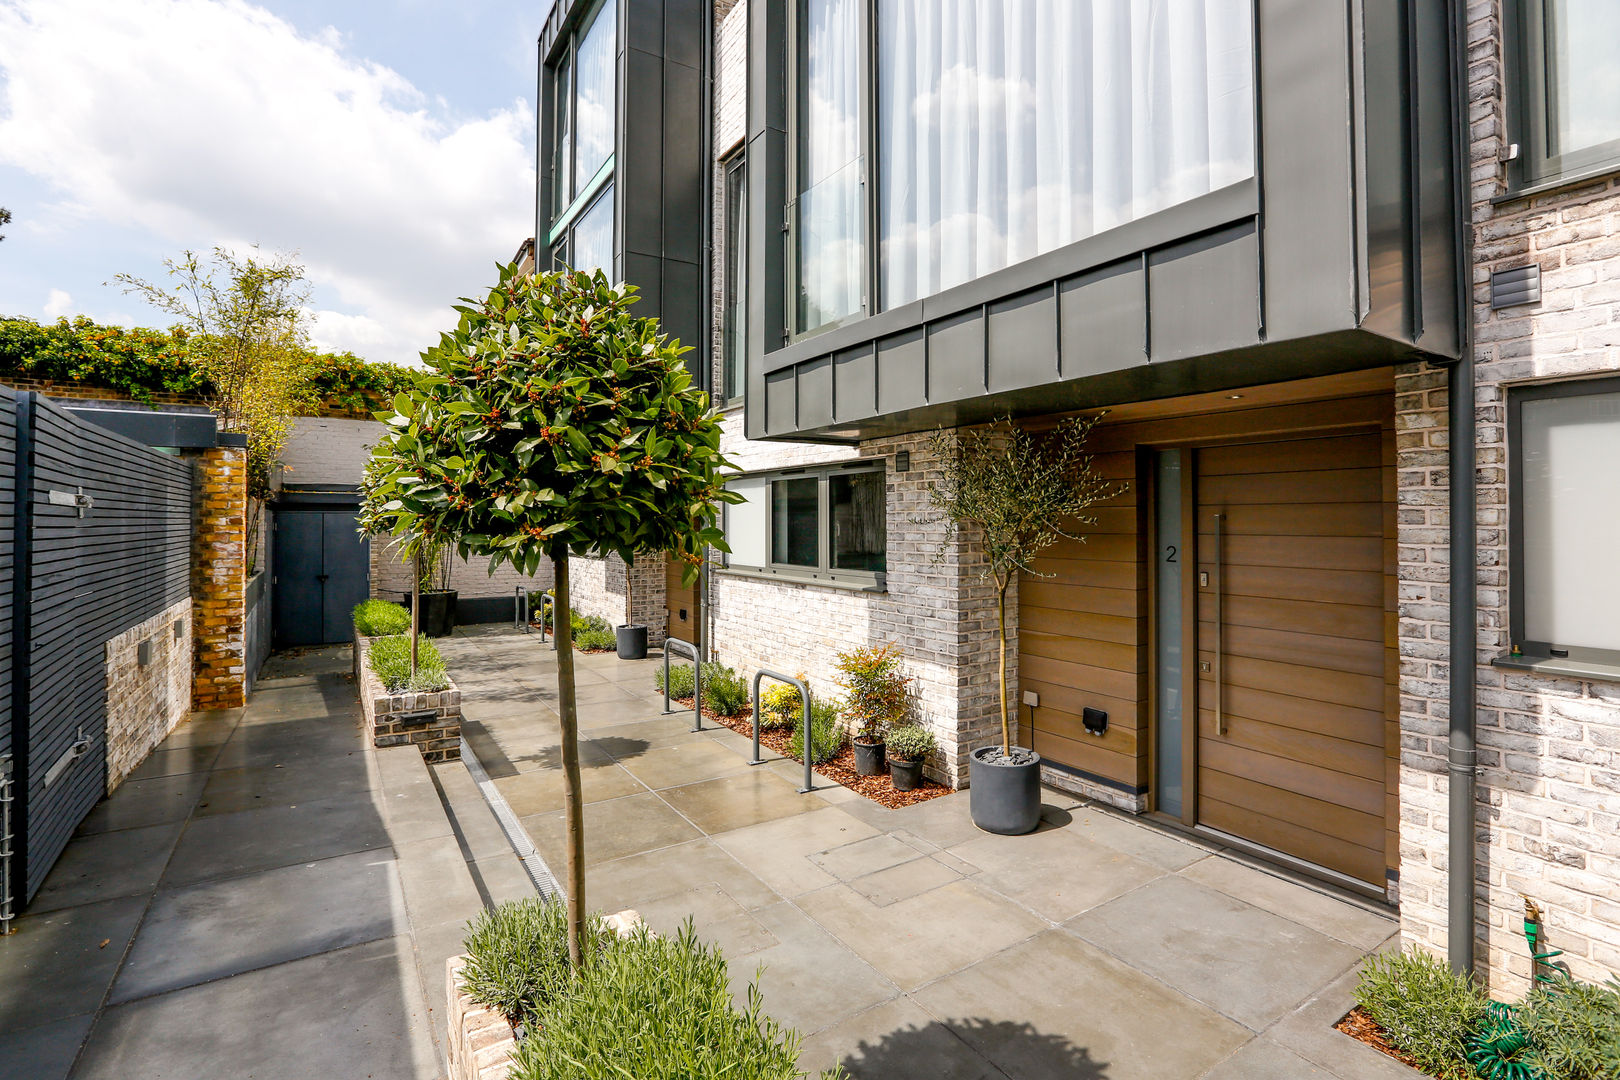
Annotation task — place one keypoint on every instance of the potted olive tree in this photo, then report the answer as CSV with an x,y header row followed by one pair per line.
x,y
874,700
552,422
1016,493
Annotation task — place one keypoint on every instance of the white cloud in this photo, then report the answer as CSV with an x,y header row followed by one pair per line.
x,y
58,304
213,122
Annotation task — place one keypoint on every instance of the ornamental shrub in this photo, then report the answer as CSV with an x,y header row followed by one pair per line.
x,y
908,742
724,690
1574,1030
780,705
874,689
595,639
656,1008
1425,1009
517,956
373,618
826,734
391,660
680,679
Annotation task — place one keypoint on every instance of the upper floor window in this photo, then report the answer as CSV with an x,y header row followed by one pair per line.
x,y
1569,107
734,313
584,97
1001,129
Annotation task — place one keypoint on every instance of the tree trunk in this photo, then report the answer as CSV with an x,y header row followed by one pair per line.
x,y
573,798
416,607
1001,633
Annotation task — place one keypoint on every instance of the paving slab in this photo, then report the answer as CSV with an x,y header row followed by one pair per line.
x,y
59,964
636,880
897,1040
738,800
1264,1059
141,803
908,879
923,937
356,1012
810,980
540,791
1245,962
206,932
1344,920
45,1052
613,829
778,852
1054,871
1055,1006
106,865
232,790
241,843
683,763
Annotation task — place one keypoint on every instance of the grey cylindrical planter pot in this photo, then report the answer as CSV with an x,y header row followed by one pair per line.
x,y
1004,798
907,775
632,642
868,757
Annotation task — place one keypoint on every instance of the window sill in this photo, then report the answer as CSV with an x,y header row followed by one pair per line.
x,y
1593,664
1557,183
788,578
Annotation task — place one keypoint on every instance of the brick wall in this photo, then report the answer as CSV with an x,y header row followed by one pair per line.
x,y
391,575
146,701
597,586
1549,748
219,579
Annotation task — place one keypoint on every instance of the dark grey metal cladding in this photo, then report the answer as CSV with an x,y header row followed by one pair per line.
x,y
1340,254
88,579
8,562
659,203
184,429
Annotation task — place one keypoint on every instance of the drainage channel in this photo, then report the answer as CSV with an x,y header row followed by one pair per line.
x,y
539,873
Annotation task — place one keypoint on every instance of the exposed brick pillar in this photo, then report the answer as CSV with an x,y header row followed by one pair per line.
x,y
219,578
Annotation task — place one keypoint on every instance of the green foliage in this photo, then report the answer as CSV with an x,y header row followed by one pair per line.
x,y
551,419
140,363
826,734
908,742
724,690
391,660
5,219
875,689
376,617
592,639
1427,1011
517,956
653,1008
780,705
1574,1030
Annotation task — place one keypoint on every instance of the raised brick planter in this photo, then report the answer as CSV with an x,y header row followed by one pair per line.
x,y
481,1040
432,722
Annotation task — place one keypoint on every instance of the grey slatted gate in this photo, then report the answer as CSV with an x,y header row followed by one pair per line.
x,y
103,542
8,515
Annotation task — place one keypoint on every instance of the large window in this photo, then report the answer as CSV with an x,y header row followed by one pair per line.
x,y
1566,576
1002,129
827,523
584,94
734,313
1569,85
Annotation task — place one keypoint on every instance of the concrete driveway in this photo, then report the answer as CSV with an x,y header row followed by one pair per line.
x,y
906,943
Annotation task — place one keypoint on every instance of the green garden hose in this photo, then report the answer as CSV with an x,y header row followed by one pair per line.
x,y
1498,1048
1542,969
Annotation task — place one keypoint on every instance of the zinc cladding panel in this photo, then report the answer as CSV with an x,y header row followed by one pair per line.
x,y
8,519
90,578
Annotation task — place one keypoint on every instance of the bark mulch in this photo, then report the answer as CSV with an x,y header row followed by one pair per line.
x,y
1358,1025
840,769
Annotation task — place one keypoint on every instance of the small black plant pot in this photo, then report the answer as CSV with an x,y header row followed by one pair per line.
x,y
632,642
868,757
1003,796
907,775
438,612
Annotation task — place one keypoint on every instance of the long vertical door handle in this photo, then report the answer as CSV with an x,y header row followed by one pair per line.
x,y
1220,650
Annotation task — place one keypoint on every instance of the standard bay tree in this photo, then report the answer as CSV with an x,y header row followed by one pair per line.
x,y
553,421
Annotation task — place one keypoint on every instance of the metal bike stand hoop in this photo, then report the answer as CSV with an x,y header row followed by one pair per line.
x,y
804,701
688,649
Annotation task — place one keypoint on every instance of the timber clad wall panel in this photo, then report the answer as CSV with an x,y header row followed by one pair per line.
x,y
90,578
1309,499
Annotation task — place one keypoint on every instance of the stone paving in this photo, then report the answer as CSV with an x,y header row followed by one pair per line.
x,y
906,943
263,897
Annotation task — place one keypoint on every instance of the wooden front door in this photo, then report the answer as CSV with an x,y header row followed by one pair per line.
x,y
681,603
1293,654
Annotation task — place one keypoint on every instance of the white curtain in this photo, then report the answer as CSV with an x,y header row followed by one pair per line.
x,y
831,240
1011,127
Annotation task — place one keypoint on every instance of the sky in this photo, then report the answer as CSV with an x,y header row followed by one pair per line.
x,y
387,144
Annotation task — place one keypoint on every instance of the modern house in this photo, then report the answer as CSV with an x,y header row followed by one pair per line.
x,y
1288,248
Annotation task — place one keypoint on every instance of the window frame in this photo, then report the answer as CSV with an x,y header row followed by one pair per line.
x,y
1517,396
563,216
823,573
734,280
1529,110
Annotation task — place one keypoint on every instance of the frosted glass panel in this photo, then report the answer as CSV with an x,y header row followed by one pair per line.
x,y
748,523
1570,520
1007,128
1167,632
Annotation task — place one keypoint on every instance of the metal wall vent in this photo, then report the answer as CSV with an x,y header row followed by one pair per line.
x,y
1520,285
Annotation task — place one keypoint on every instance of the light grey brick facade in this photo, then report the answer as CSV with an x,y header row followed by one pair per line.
x,y
1548,807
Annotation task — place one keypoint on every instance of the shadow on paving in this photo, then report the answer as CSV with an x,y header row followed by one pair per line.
x,y
937,1052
